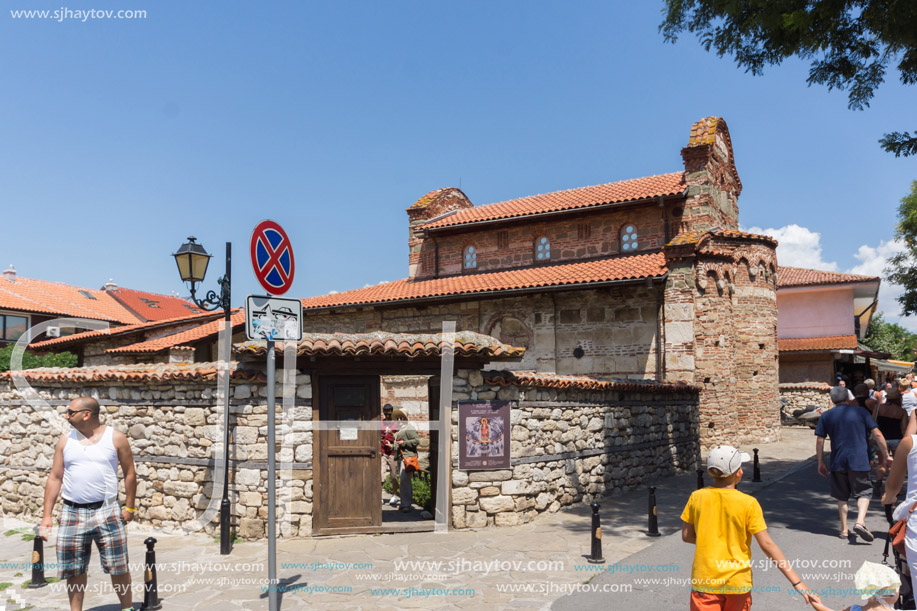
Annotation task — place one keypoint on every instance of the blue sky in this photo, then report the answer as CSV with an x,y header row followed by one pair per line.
x,y
122,137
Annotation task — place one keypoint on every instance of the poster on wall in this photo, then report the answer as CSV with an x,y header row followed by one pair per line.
x,y
484,429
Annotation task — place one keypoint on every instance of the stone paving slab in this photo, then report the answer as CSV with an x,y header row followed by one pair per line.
x,y
502,567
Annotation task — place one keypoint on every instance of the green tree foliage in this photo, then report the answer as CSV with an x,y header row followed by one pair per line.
x,y
33,361
890,337
851,43
901,269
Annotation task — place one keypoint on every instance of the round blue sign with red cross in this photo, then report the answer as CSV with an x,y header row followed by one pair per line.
x,y
272,257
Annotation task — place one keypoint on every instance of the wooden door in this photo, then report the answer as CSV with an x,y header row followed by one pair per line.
x,y
348,471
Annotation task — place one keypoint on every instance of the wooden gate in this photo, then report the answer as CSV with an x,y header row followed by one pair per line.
x,y
347,477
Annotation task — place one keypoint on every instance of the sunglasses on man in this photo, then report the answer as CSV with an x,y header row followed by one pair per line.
x,y
70,412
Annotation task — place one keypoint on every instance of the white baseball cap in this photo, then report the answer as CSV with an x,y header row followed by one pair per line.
x,y
726,459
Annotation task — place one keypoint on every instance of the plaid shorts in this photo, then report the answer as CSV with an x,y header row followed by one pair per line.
x,y
79,527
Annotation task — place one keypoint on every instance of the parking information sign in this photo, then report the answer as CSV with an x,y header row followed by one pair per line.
x,y
273,318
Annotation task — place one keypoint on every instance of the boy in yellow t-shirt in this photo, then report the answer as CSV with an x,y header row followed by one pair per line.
x,y
720,521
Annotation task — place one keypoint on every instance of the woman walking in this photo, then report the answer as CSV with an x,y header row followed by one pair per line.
x,y
892,421
406,440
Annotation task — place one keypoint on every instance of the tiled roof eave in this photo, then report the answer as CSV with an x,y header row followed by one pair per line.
x,y
488,293
822,284
536,215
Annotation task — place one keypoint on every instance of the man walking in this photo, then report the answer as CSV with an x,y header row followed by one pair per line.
x,y
85,473
848,426
391,465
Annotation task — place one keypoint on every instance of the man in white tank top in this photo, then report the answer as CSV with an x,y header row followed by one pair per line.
x,y
85,473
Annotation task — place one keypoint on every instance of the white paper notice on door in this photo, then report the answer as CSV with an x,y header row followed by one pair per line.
x,y
348,434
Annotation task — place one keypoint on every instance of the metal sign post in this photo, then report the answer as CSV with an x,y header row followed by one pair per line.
x,y
270,319
271,484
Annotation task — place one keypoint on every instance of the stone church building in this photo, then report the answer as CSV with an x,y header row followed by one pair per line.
x,y
647,278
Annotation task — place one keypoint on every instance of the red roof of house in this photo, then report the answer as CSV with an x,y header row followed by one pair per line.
x,y
633,267
797,276
570,199
151,306
56,298
184,338
833,342
78,338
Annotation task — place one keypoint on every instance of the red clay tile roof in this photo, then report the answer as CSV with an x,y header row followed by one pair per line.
x,y
60,299
379,343
804,386
152,307
553,380
703,131
79,338
426,199
797,276
633,267
833,342
172,372
695,236
570,199
185,338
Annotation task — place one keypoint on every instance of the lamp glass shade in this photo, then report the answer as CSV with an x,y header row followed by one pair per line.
x,y
192,261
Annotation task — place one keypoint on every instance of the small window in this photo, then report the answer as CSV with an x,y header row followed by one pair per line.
x,y
471,257
502,239
12,327
629,238
542,249
88,295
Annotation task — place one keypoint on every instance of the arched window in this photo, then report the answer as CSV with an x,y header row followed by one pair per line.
x,y
471,258
629,238
542,249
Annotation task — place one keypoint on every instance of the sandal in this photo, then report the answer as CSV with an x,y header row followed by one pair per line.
x,y
843,534
864,533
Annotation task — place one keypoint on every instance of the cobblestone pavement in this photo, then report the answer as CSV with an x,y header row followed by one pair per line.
x,y
524,567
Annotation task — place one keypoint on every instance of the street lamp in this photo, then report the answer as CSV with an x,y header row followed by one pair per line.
x,y
192,261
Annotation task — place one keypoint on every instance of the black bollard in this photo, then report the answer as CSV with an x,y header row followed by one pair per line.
x,y
757,476
596,556
653,521
700,479
38,562
150,591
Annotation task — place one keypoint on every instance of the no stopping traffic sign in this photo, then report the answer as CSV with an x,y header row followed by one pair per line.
x,y
272,257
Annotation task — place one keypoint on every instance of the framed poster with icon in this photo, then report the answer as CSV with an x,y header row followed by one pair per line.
x,y
484,441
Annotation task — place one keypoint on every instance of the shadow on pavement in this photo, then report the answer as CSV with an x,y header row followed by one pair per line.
x,y
628,513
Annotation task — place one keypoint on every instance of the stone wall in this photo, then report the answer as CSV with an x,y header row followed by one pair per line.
x,y
573,445
802,395
806,367
569,445
172,427
616,327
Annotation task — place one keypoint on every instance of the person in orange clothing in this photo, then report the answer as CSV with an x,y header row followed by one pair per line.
x,y
720,521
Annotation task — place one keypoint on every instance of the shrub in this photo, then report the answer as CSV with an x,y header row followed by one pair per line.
x,y
33,361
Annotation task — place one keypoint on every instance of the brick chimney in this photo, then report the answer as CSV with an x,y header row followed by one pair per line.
x,y
433,205
712,179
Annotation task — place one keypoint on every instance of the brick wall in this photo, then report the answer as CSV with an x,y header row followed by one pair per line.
x,y
585,236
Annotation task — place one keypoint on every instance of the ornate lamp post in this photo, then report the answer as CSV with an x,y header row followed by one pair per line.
x,y
192,261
